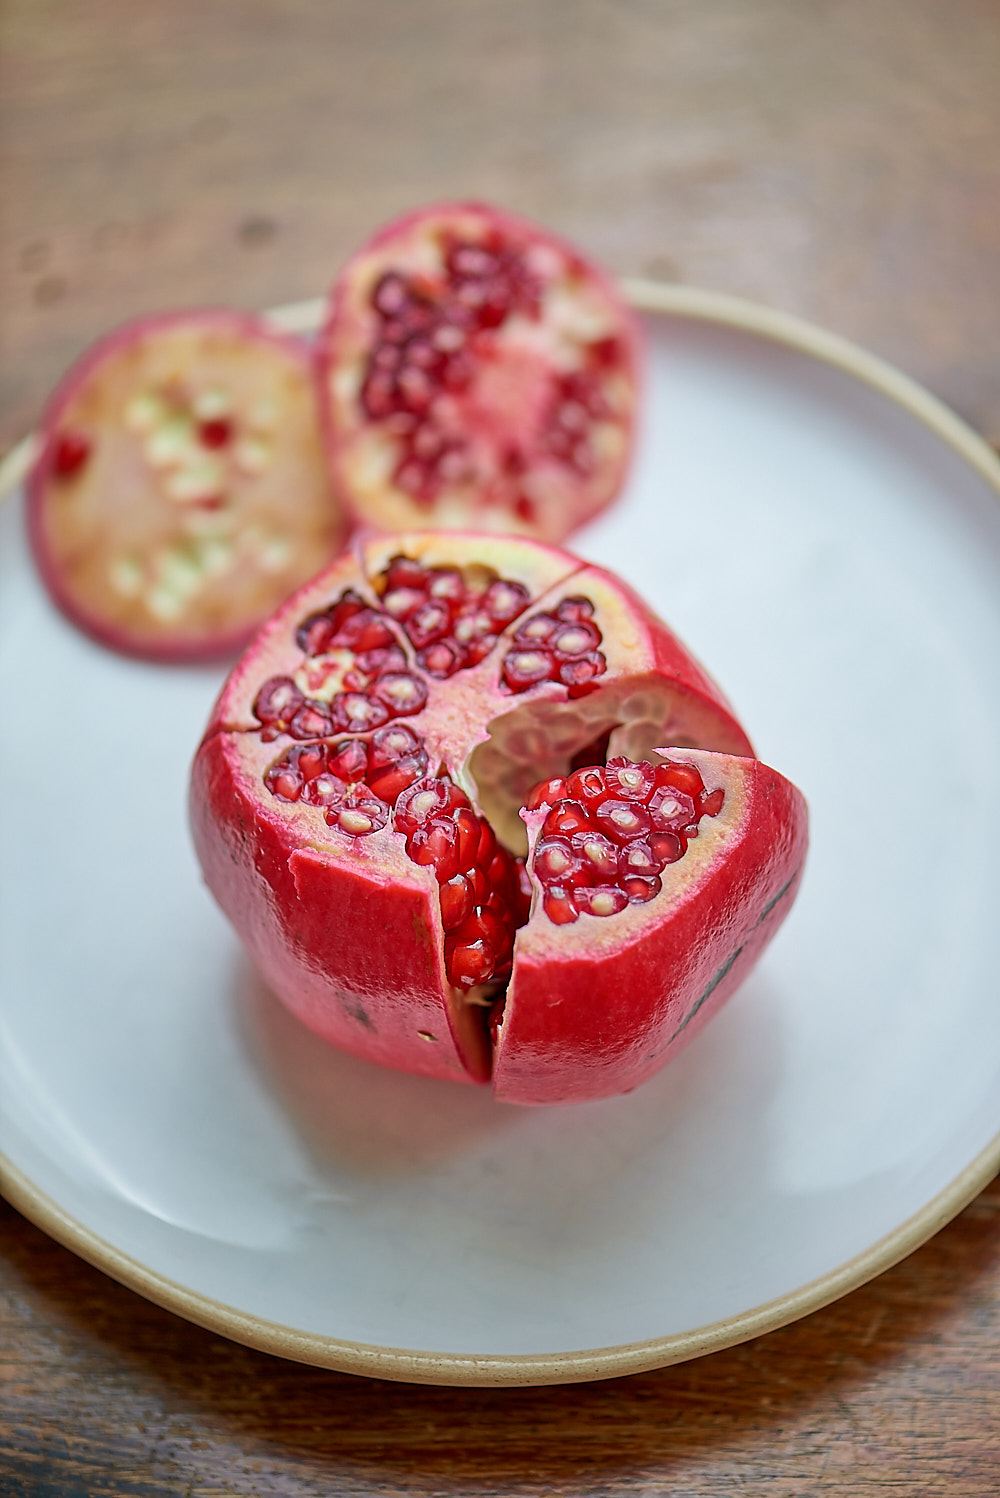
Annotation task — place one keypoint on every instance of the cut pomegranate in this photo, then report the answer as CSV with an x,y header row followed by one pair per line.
x,y
468,876
476,370
181,489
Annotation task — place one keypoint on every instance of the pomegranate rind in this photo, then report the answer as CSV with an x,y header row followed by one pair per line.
x,y
362,461
347,932
286,522
598,1007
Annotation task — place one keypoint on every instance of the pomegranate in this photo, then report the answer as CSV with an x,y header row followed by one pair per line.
x,y
181,490
450,800
475,370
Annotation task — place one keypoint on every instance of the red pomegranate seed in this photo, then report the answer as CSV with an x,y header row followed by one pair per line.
x,y
323,791
588,785
602,899
349,760
711,804
468,836
70,452
468,964
442,660
435,843
632,782
548,792
216,432
623,820
671,809
487,850
457,901
312,721
640,859
429,623
682,777
575,609
556,862
308,759
283,781
640,889
525,668
566,818
405,572
314,634
394,742
353,712
667,847
402,693
558,906
446,584
575,639
599,854
536,630
584,669
277,702
402,602
357,812
365,630
425,799
388,783
504,600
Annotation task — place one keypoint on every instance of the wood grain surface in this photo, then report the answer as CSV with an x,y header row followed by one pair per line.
x,y
840,159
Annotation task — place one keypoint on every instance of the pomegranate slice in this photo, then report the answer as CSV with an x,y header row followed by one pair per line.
x,y
501,874
475,370
181,490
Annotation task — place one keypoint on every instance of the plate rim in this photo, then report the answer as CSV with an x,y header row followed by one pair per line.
x,y
524,1369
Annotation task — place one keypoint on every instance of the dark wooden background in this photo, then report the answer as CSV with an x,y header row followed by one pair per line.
x,y
838,158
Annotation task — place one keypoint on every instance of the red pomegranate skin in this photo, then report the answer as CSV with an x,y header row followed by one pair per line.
x,y
348,932
599,1019
557,496
69,460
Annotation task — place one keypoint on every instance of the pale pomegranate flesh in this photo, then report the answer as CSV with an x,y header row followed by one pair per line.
x,y
477,813
477,371
181,489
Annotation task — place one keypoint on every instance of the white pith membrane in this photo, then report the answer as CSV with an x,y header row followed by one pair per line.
x,y
182,490
493,744
522,425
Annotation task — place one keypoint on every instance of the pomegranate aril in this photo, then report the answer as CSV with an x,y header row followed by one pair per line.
x,y
435,843
536,630
442,660
548,792
429,623
216,432
358,812
682,777
630,781
623,820
671,809
556,862
584,669
283,781
324,790
588,785
575,639
312,721
391,781
711,804
575,609
402,693
308,759
431,797
526,668
365,630
468,964
558,906
349,760
70,452
457,901
405,572
353,712
401,602
392,292
667,847
641,859
601,899
504,600
393,743
598,853
315,633
641,888
467,824
277,702
487,850
566,818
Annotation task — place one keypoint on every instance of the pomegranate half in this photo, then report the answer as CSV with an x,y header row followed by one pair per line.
x,y
181,489
477,813
477,371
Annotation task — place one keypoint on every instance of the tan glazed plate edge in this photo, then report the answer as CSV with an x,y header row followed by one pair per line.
x,y
604,1362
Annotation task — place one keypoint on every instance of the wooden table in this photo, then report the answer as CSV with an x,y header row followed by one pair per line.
x,y
838,160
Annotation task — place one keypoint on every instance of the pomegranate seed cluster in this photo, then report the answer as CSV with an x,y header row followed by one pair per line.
x,y
449,624
612,830
561,646
433,338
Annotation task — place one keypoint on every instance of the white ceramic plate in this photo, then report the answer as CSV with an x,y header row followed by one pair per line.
x,y
827,537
